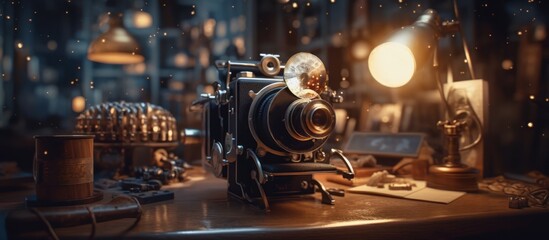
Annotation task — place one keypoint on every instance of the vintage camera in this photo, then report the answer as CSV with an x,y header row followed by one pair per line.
x,y
265,128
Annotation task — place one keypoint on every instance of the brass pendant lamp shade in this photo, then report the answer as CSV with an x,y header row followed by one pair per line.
x,y
115,46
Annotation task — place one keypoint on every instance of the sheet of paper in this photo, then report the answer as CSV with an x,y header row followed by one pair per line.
x,y
419,192
435,195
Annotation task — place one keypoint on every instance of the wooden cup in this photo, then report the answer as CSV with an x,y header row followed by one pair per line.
x,y
63,167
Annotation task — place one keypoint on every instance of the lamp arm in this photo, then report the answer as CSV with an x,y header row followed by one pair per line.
x,y
464,41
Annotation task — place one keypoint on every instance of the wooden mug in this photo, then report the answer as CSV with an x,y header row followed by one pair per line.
x,y
63,167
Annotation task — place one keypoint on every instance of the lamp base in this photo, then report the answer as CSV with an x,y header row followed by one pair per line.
x,y
453,178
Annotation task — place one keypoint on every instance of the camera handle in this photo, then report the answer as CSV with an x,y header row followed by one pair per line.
x,y
326,196
259,178
350,174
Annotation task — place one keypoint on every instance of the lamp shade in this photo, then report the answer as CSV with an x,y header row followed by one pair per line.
x,y
394,62
115,46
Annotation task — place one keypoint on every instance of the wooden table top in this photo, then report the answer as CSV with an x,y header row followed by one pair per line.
x,y
202,209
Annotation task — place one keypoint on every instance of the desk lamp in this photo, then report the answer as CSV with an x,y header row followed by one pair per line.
x,y
393,64
116,45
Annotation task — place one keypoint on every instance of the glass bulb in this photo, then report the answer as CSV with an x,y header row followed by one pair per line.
x,y
392,64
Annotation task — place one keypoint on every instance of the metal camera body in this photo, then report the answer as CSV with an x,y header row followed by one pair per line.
x,y
262,138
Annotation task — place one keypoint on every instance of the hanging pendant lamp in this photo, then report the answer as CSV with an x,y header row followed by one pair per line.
x,y
115,46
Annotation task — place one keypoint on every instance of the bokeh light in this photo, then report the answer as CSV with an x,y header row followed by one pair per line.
x,y
392,64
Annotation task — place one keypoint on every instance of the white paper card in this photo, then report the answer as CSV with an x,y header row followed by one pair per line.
x,y
419,192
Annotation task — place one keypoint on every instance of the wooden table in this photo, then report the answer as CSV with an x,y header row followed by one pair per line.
x,y
201,209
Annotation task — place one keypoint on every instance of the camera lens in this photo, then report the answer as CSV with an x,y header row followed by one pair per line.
x,y
309,119
282,123
320,118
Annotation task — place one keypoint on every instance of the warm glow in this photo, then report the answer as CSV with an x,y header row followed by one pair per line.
x,y
116,58
181,60
209,27
142,20
138,68
507,64
115,46
392,64
240,45
78,104
360,50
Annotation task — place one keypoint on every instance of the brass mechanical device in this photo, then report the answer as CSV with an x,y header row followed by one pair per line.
x,y
452,174
128,124
266,125
121,127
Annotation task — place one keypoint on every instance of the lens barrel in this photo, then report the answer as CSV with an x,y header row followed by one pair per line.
x,y
282,123
309,119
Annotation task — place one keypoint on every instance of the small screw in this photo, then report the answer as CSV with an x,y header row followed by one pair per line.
x,y
304,184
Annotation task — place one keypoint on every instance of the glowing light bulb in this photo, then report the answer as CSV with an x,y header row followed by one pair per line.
x,y
392,64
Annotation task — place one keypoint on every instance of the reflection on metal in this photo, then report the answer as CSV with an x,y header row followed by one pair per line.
x,y
121,127
128,124
452,174
305,75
